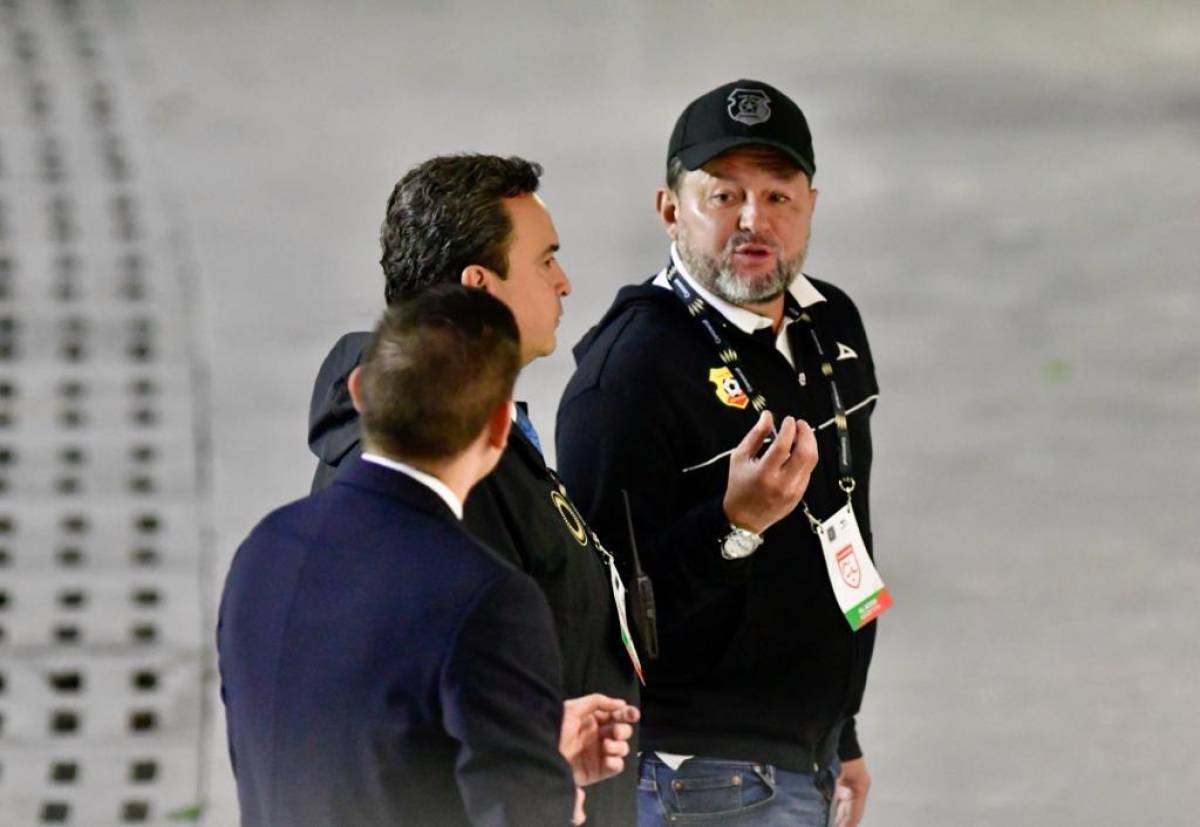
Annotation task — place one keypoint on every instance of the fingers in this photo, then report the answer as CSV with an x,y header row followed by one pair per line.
x,y
759,492
755,437
841,803
601,709
853,784
781,448
857,806
591,704
613,766
803,457
627,714
616,732
615,748
613,754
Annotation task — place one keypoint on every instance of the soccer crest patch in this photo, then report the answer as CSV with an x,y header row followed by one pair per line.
x,y
729,390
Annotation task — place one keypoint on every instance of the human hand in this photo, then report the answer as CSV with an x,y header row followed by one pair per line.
x,y
850,793
761,492
595,736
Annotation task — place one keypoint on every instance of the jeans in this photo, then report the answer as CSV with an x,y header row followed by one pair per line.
x,y
713,791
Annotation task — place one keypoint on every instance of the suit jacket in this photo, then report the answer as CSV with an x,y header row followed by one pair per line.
x,y
379,666
519,512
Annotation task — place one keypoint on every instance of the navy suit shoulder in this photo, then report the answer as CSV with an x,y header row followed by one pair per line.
x,y
380,666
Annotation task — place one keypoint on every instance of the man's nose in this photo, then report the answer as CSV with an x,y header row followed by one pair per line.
x,y
563,284
751,218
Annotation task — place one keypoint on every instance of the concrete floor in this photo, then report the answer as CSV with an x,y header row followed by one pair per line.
x,y
1010,194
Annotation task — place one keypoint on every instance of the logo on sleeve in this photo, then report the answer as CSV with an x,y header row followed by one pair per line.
x,y
749,106
729,390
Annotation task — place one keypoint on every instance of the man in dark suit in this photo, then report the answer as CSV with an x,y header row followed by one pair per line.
x,y
378,665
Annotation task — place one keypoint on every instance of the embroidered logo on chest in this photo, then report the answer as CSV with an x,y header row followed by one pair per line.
x,y
570,517
729,390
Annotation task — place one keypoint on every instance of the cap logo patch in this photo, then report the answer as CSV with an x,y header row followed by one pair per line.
x,y
729,390
749,106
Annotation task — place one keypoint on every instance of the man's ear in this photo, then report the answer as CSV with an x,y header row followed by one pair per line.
x,y
354,385
666,206
476,275
498,425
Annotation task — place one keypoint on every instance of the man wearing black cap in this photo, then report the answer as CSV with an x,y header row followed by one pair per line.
x,y
708,393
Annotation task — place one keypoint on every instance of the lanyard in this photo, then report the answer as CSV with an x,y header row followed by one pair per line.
x,y
706,315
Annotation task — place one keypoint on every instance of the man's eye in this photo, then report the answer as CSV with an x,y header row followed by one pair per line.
x,y
722,197
780,198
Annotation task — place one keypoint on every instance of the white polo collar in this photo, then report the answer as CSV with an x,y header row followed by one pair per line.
x,y
428,480
747,321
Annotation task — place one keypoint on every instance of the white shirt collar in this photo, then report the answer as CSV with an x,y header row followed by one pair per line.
x,y
428,480
747,321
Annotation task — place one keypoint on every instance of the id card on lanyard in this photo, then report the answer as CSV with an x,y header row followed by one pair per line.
x,y
618,591
860,592
856,584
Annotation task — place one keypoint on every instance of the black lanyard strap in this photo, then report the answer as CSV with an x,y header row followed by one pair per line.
x,y
707,316
703,312
845,468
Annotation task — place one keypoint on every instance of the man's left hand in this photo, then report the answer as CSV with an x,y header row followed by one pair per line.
x,y
850,795
595,736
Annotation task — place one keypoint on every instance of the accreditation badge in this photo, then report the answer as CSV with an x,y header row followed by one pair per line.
x,y
856,584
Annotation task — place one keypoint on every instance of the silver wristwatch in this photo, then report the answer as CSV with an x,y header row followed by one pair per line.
x,y
739,543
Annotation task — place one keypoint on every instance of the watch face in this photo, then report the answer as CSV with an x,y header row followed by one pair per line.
x,y
736,546
739,543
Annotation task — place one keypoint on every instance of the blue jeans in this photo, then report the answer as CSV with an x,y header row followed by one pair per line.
x,y
713,791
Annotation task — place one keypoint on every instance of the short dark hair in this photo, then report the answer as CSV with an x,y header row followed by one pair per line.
x,y
436,366
675,171
447,214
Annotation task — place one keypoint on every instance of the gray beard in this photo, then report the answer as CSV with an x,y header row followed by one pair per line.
x,y
719,277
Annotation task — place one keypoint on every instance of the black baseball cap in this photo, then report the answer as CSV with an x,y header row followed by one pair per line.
x,y
738,113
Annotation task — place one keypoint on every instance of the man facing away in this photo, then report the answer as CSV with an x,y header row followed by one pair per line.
x,y
708,392
380,666
477,220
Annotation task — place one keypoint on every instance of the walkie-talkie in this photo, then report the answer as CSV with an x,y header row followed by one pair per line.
x,y
645,614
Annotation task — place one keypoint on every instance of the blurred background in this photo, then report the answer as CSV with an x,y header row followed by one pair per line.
x,y
190,196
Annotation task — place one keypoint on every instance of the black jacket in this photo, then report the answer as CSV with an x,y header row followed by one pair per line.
x,y
518,512
757,661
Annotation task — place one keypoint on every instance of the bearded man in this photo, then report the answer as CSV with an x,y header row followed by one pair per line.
x,y
707,393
